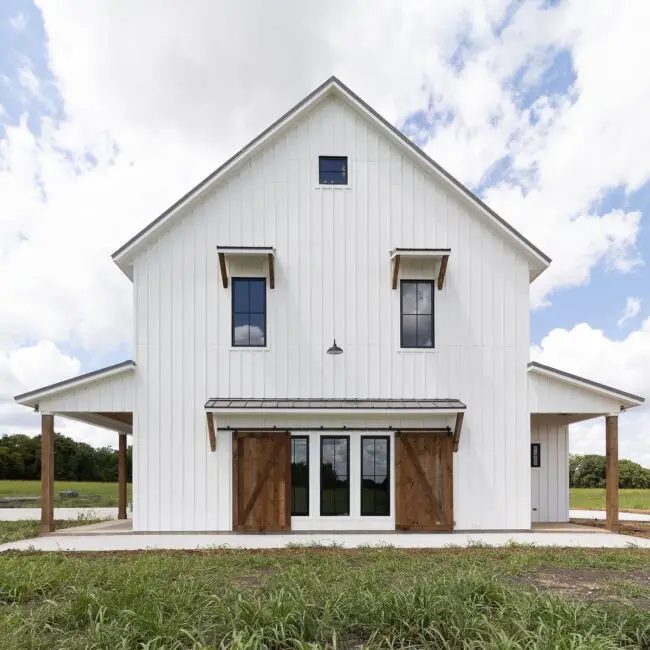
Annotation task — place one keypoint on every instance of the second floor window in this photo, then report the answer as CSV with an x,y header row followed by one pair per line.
x,y
416,314
249,312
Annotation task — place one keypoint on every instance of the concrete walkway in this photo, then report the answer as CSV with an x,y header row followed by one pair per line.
x,y
17,514
67,514
21,514
600,514
193,541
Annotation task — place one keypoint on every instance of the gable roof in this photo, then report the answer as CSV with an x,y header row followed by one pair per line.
x,y
80,380
123,256
629,398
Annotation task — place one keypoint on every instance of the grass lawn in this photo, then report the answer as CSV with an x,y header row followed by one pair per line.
x,y
12,531
594,499
90,494
312,598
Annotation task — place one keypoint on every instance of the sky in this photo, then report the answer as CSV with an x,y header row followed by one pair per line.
x,y
111,110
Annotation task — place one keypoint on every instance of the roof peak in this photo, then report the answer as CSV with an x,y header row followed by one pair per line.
x,y
124,255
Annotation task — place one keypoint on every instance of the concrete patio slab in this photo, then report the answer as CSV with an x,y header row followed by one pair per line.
x,y
194,541
62,514
563,527
600,514
109,527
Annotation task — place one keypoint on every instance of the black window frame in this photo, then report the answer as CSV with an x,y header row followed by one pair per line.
x,y
537,445
294,513
401,316
233,281
322,440
388,476
321,171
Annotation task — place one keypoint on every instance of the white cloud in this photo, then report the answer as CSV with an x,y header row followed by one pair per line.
x,y
19,22
165,91
632,309
249,335
28,80
209,77
37,365
621,363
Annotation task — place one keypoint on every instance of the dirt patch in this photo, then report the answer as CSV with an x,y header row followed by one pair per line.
x,y
255,579
634,528
591,585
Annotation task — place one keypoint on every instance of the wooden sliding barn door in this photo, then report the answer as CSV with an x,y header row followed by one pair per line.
x,y
261,467
424,482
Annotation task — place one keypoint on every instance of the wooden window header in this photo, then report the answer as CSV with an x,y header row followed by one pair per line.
x,y
439,258
250,251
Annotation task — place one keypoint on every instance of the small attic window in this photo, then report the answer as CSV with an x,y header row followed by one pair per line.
x,y
333,170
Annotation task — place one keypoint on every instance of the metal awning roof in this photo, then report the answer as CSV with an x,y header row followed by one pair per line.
x,y
335,405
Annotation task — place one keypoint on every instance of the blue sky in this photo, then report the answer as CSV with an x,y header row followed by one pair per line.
x,y
600,302
503,82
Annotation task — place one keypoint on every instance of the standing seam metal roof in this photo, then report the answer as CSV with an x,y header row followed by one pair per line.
x,y
302,403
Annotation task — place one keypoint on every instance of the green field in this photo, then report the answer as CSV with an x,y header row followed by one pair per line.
x,y
512,598
105,494
594,499
90,494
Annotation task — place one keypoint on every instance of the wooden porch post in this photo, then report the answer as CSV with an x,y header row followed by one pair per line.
x,y
47,473
121,472
611,472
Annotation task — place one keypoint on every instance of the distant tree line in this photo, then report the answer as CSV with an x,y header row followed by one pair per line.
x,y
589,471
20,459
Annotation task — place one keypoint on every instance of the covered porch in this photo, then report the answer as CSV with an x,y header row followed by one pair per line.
x,y
558,399
102,398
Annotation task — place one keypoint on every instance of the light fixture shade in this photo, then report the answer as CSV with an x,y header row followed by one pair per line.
x,y
335,349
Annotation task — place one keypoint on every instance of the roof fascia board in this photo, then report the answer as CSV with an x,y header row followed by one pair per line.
x,y
628,399
123,255
27,399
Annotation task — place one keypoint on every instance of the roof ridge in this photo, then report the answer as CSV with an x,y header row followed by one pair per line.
x,y
334,82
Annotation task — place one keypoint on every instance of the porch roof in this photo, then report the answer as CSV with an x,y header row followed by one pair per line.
x,y
296,405
573,398
103,397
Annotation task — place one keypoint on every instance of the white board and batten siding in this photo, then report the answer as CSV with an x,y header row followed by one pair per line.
x,y
551,395
114,393
332,275
550,481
